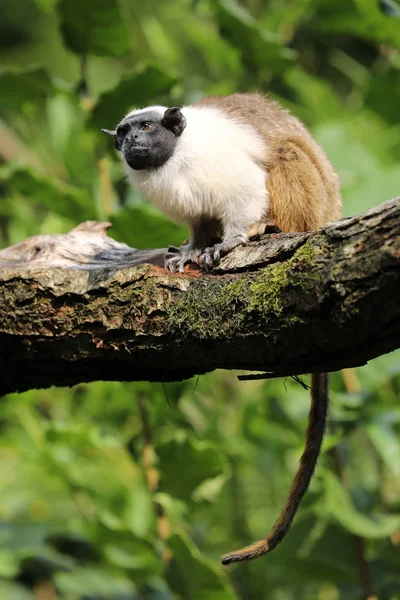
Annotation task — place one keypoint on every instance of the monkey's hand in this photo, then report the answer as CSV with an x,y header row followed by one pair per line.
x,y
211,256
177,258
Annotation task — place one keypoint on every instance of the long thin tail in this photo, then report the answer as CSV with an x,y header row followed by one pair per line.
x,y
305,470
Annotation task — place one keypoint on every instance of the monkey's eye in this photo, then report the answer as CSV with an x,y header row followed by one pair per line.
x,y
145,126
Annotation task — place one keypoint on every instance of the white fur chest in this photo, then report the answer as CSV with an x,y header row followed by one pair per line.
x,y
218,165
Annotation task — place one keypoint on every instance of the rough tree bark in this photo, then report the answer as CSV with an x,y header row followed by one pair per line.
x,y
81,307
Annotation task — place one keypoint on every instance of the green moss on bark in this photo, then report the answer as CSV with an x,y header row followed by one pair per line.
x,y
214,307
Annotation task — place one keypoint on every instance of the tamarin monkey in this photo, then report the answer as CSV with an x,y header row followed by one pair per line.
x,y
222,165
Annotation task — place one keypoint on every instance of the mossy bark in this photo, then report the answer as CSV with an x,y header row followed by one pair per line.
x,y
73,310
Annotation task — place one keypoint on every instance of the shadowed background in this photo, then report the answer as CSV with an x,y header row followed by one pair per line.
x,y
86,471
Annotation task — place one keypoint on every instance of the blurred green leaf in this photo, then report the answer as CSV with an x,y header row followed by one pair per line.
x,y
19,87
195,461
47,6
259,47
71,459
41,564
47,191
93,580
139,513
94,26
387,86
194,577
314,93
360,17
387,444
14,591
210,489
132,554
390,8
8,563
136,89
338,505
173,508
156,590
367,179
144,227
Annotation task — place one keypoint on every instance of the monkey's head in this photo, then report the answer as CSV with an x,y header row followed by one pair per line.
x,y
147,138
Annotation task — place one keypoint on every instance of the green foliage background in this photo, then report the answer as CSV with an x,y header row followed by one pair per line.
x,y
77,519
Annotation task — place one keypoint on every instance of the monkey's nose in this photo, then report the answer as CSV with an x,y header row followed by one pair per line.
x,y
130,140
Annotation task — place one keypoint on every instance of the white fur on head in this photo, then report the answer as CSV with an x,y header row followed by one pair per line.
x,y
217,170
137,111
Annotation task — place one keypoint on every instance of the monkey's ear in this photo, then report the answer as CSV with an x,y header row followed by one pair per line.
x,y
114,134
174,120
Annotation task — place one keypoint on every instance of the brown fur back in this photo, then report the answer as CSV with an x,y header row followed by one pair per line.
x,y
303,186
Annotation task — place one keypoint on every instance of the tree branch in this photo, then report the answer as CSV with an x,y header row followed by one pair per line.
x,y
80,307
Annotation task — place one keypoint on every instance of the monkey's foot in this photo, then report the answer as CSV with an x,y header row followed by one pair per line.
x,y
211,256
177,258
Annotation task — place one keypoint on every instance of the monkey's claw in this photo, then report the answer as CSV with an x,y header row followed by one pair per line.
x,y
176,261
211,257
176,264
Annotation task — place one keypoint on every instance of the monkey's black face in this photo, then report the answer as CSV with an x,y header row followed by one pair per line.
x,y
148,139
